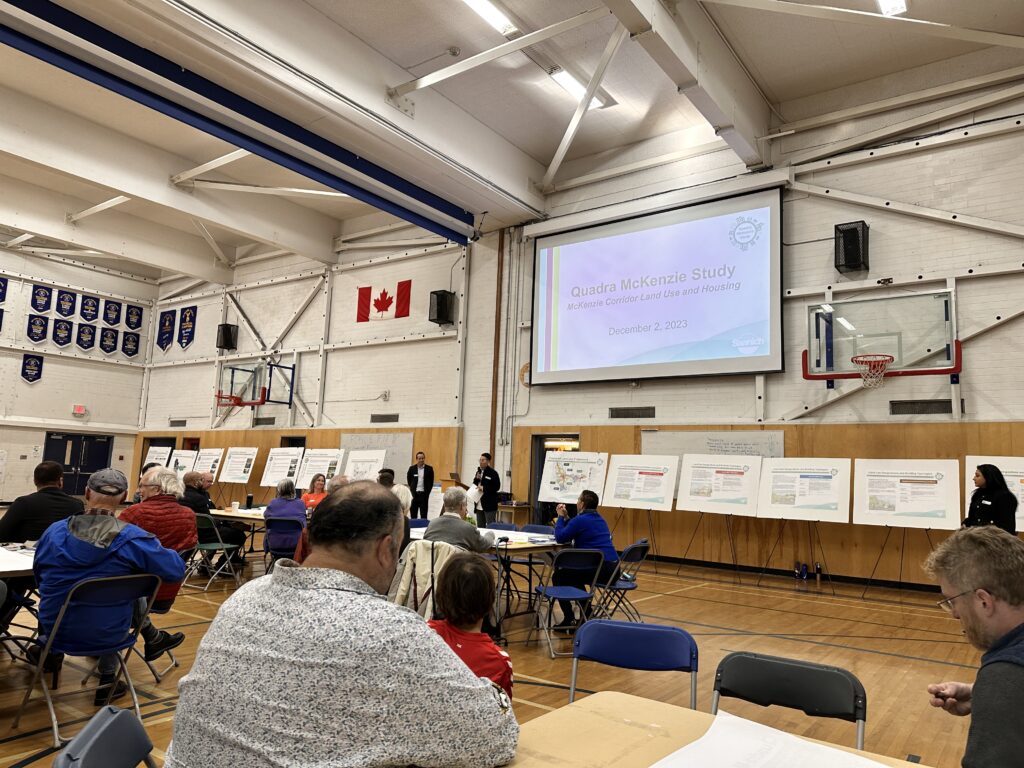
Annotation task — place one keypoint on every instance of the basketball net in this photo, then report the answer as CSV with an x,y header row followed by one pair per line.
x,y
872,368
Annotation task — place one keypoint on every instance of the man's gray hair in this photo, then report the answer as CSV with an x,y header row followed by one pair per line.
x,y
286,489
168,481
454,498
336,482
404,496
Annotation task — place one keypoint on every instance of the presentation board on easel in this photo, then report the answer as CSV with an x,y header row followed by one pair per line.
x,y
158,454
238,464
568,473
724,485
319,461
905,493
1012,468
816,490
364,465
208,461
282,464
641,482
183,461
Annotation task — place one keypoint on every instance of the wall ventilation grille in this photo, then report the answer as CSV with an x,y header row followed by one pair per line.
x,y
264,421
922,407
177,422
383,418
641,412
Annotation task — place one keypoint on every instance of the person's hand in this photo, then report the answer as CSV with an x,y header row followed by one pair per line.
x,y
560,510
955,698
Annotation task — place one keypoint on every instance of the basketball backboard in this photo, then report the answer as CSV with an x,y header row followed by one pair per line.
x,y
242,385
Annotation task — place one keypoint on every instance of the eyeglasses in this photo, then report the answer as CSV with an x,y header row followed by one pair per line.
x,y
947,604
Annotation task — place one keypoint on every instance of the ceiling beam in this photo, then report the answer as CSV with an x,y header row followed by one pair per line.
x,y
24,237
879,21
217,162
693,54
106,205
41,211
257,189
218,252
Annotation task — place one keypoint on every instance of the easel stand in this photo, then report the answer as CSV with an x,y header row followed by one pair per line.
x,y
812,535
903,549
732,545
653,538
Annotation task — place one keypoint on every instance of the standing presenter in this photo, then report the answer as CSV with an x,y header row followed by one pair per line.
x,y
992,502
489,482
420,479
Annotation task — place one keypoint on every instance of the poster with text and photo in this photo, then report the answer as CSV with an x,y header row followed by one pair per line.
x,y
641,482
724,485
1012,468
364,465
158,454
282,464
208,461
906,493
805,489
569,473
238,464
182,462
319,461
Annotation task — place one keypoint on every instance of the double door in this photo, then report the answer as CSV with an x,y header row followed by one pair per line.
x,y
80,455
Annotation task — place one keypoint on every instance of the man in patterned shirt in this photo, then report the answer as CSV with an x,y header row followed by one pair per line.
x,y
312,666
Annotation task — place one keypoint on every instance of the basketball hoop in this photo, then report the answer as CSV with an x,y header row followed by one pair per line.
x,y
872,368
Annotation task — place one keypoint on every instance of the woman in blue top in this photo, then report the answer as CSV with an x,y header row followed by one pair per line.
x,y
588,530
286,505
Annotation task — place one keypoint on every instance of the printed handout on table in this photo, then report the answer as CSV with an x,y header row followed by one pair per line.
x,y
568,473
907,493
641,482
805,489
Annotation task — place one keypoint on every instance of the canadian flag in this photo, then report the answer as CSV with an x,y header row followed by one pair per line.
x,y
380,304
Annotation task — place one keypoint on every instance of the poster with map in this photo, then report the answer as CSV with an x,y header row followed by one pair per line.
x,y
364,465
567,473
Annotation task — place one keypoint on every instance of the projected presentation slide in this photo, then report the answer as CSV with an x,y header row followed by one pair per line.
x,y
689,292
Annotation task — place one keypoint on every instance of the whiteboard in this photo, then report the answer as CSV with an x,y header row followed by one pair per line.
x,y
397,447
768,444
907,494
805,489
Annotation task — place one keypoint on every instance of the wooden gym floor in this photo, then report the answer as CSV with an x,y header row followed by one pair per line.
x,y
896,642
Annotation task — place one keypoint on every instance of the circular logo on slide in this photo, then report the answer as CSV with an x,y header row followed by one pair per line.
x,y
745,232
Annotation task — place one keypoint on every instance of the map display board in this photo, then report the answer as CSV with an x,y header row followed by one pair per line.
x,y
183,461
1012,468
319,461
641,482
568,473
725,485
364,465
805,489
158,454
907,493
238,465
208,461
282,464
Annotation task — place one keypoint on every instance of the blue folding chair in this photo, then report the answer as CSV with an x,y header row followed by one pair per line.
x,y
502,527
418,522
647,647
589,561
113,738
529,561
615,595
280,540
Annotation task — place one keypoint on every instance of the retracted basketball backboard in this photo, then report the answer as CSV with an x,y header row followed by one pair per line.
x,y
848,339
242,386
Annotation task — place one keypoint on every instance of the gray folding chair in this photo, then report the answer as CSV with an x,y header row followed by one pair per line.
x,y
113,738
614,596
815,689
202,556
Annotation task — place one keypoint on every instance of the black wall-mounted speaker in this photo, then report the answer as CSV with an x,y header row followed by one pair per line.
x,y
227,337
852,246
442,307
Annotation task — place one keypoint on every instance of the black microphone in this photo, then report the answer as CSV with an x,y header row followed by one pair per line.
x,y
503,540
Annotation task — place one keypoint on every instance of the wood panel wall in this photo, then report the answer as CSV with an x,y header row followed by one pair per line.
x,y
441,444
846,549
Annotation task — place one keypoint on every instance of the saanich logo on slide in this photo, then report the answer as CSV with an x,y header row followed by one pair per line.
x,y
745,232
747,344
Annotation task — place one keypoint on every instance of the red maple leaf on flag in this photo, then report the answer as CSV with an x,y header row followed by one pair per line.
x,y
383,302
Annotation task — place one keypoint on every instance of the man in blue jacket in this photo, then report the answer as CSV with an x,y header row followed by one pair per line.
x,y
95,545
588,530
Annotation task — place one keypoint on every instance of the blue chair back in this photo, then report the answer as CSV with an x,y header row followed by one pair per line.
x,y
282,536
92,596
578,559
418,522
635,553
502,527
113,738
547,530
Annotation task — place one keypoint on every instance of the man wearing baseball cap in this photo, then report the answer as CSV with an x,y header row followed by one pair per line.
x,y
96,544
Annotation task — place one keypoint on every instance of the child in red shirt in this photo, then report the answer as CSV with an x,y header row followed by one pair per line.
x,y
464,595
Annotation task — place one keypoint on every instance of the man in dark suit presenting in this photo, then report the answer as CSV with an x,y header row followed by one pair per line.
x,y
488,481
420,479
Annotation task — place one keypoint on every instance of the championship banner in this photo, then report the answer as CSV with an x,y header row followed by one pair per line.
x,y
165,329
66,303
3,289
37,328
112,312
187,326
41,298
90,308
86,337
31,368
129,344
1,320
62,332
108,341
133,317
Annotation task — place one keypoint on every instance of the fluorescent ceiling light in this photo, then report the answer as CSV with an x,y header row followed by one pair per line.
x,y
845,323
575,88
826,307
493,15
887,7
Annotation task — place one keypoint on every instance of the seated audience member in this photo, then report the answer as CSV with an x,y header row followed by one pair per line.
x,y
451,526
992,502
348,680
464,597
317,491
97,545
386,477
588,530
981,573
404,496
26,519
302,549
196,498
286,505
145,468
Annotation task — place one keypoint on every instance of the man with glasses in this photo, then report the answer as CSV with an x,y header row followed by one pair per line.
x,y
981,573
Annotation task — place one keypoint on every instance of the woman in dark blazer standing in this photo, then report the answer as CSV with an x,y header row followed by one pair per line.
x,y
992,503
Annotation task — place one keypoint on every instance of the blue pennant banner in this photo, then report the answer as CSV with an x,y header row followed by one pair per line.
x,y
112,312
129,344
66,303
90,308
86,336
42,295
108,341
3,289
62,332
31,368
165,331
187,326
1,320
133,316
37,328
